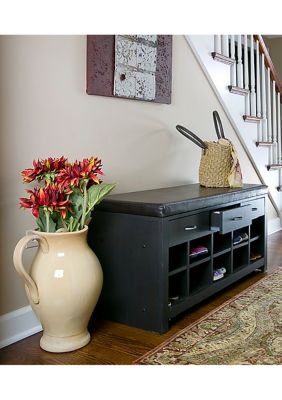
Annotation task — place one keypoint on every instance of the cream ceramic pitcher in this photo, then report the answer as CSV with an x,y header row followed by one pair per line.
x,y
63,286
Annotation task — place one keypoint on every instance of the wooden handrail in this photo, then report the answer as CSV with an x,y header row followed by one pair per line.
x,y
269,64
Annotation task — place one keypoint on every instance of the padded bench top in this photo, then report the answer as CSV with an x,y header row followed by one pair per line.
x,y
169,201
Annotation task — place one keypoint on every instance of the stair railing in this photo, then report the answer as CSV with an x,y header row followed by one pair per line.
x,y
254,76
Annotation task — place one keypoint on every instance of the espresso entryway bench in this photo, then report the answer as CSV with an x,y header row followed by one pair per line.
x,y
144,241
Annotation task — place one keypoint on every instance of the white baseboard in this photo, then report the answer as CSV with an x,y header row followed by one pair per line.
x,y
274,225
17,325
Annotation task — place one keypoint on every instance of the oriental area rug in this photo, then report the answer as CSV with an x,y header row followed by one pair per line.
x,y
244,330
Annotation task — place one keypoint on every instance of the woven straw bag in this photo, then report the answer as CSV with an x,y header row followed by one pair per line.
x,y
219,165
215,164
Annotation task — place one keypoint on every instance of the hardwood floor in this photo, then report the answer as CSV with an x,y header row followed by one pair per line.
x,y
114,343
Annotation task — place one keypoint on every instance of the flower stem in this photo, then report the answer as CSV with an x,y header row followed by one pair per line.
x,y
64,224
84,205
47,221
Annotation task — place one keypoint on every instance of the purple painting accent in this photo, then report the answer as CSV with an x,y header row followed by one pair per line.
x,y
101,67
100,64
163,71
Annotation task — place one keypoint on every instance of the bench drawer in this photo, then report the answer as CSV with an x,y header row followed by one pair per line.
x,y
257,207
229,220
187,228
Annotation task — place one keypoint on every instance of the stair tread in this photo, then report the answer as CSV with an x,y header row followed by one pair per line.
x,y
238,90
264,143
274,166
252,118
222,58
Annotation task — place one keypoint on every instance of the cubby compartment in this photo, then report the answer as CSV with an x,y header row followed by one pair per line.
x,y
177,288
257,228
222,262
178,257
256,252
240,258
199,277
257,246
196,248
241,237
221,243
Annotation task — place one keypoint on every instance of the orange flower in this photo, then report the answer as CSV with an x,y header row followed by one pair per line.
x,y
74,174
50,197
69,176
89,168
43,167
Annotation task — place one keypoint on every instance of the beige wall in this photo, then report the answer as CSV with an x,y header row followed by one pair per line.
x,y
45,111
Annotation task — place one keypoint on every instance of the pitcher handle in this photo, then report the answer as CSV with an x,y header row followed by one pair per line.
x,y
18,263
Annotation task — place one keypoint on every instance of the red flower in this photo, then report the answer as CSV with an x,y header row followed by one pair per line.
x,y
43,167
89,168
73,174
69,176
50,197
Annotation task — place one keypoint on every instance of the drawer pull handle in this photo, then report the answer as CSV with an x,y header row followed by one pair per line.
x,y
254,209
236,218
190,228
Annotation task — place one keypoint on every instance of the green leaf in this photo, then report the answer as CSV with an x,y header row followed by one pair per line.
x,y
41,220
76,199
70,223
96,193
40,225
52,225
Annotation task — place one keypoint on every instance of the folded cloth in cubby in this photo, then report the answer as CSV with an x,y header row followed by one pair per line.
x,y
199,250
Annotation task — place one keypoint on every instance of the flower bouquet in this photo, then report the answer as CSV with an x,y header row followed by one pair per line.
x,y
66,192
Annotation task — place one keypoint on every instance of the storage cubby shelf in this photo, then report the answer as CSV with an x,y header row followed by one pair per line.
x,y
220,253
240,267
177,270
243,244
199,262
214,283
253,239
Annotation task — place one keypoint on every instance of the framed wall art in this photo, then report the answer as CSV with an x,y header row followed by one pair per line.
x,y
130,66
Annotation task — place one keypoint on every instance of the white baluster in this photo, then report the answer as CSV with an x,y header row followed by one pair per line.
x,y
280,177
274,124
253,93
263,100
258,82
224,45
217,44
269,122
279,127
233,66
239,64
258,91
246,74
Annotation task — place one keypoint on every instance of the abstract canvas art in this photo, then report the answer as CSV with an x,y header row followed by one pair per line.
x,y
130,66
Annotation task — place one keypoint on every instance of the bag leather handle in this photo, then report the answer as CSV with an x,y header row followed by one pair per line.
x,y
218,125
191,136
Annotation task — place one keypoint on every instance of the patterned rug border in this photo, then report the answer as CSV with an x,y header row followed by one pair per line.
x,y
167,341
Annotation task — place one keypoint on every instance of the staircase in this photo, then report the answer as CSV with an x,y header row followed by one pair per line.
x,y
246,83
